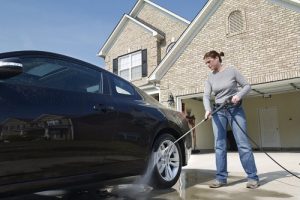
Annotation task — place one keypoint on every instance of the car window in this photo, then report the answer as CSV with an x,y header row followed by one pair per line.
x,y
122,87
58,74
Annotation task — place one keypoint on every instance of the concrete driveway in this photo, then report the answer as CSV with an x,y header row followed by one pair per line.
x,y
275,183
194,181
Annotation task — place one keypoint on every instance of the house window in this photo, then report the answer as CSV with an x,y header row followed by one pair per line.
x,y
131,66
235,22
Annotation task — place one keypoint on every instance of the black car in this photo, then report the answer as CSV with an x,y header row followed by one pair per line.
x,y
64,121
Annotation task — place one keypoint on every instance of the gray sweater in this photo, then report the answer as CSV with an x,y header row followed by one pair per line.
x,y
223,85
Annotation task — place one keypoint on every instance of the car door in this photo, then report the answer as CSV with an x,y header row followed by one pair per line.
x,y
56,120
136,125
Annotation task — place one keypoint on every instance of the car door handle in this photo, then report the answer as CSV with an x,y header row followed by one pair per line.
x,y
103,108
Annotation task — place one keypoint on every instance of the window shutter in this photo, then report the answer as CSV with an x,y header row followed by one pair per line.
x,y
144,63
115,66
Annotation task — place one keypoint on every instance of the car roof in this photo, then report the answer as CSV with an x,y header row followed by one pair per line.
x,y
45,53
56,55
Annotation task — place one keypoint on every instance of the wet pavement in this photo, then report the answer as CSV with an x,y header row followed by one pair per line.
x,y
193,183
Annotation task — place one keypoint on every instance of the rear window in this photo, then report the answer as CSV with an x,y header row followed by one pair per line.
x,y
122,87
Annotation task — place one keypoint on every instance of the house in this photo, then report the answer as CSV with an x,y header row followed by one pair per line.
x,y
260,38
140,41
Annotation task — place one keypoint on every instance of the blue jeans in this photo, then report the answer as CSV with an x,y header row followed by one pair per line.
x,y
220,122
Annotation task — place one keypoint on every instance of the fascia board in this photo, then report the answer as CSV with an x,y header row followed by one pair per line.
x,y
134,12
136,8
112,37
147,28
290,4
108,44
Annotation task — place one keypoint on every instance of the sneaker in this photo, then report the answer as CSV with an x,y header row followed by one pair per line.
x,y
217,184
252,184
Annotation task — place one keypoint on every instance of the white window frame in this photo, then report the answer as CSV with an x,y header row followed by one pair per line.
x,y
130,56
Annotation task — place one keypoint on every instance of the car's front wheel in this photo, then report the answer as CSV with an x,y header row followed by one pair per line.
x,y
166,162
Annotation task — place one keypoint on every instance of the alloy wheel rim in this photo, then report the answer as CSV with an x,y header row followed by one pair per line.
x,y
167,159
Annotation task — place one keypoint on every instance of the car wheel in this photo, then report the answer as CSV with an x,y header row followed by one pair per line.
x,y
166,162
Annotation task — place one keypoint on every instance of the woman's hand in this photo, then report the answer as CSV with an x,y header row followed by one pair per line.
x,y
207,115
235,99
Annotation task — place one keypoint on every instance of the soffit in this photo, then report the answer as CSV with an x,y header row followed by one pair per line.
x,y
276,87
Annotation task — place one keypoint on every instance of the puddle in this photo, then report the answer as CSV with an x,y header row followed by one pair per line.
x,y
127,191
111,192
52,193
192,184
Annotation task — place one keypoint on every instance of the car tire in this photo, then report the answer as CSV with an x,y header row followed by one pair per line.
x,y
165,167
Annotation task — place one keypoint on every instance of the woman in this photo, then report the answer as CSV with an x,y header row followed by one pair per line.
x,y
223,82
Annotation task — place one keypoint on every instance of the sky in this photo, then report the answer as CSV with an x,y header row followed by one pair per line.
x,y
77,28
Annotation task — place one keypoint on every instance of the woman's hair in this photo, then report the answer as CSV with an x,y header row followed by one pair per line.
x,y
214,54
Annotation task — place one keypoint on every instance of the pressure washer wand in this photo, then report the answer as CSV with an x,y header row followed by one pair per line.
x,y
203,120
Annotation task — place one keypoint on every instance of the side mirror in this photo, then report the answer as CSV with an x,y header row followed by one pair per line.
x,y
10,69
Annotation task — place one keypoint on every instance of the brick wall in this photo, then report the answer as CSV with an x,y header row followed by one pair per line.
x,y
133,38
268,50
